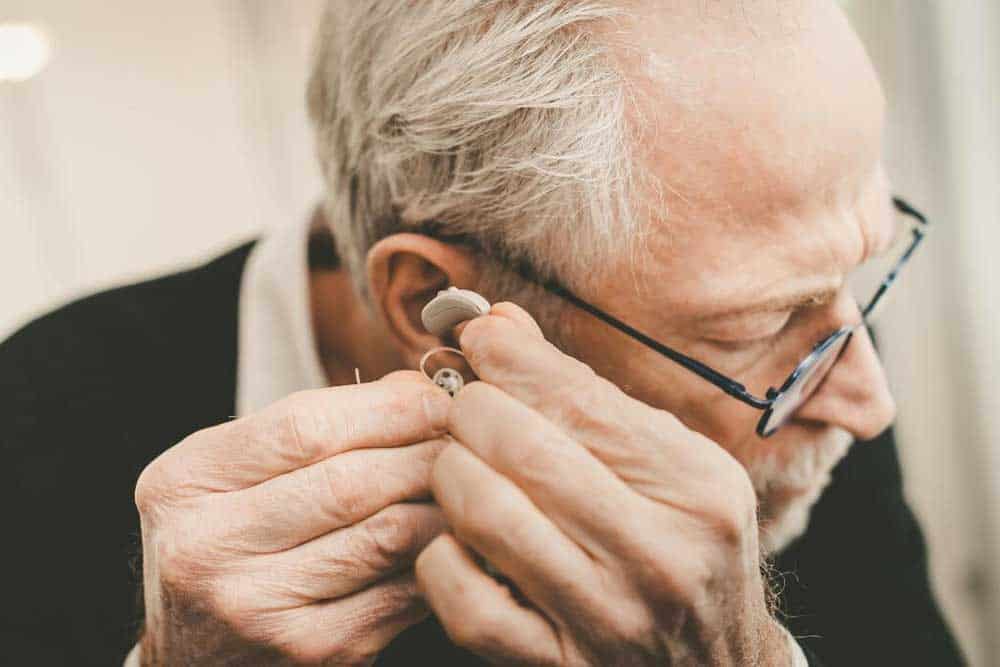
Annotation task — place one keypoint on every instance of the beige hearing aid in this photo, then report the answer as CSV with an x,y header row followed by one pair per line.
x,y
445,311
447,378
451,307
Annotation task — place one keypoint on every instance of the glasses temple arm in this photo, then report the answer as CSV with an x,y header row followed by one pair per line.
x,y
918,235
729,386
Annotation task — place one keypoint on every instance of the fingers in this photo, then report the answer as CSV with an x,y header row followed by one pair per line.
x,y
308,427
585,499
495,518
506,349
480,614
639,442
515,313
355,629
351,559
334,493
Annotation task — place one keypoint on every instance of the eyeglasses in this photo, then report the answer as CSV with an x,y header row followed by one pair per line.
x,y
781,403
778,404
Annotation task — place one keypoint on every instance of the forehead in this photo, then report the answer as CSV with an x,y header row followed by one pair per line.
x,y
759,129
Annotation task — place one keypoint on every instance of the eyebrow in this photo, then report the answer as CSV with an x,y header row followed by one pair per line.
x,y
812,298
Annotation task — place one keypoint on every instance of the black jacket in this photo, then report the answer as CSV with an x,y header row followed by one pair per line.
x,y
94,391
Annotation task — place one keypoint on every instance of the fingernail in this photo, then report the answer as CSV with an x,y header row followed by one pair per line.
x,y
436,406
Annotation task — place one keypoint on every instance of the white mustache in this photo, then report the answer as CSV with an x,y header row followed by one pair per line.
x,y
789,481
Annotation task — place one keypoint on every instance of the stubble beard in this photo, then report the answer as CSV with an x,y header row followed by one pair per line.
x,y
789,478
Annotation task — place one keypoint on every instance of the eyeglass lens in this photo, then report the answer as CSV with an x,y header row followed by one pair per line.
x,y
808,378
869,288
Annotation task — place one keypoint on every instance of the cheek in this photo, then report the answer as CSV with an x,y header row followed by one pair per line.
x,y
701,406
656,381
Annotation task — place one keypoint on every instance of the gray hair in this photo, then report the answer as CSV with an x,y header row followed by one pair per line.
x,y
503,121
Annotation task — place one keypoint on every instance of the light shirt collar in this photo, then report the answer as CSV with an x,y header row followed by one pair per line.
x,y
277,352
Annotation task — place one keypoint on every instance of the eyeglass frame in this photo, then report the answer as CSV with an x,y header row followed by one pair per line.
x,y
728,385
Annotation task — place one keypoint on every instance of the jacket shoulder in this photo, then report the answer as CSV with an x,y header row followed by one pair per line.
x,y
120,343
89,394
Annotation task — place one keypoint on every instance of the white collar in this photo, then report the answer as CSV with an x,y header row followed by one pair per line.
x,y
277,352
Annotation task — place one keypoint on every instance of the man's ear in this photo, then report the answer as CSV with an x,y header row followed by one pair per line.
x,y
405,271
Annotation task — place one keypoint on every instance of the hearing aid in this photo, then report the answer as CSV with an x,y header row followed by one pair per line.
x,y
444,312
447,378
451,307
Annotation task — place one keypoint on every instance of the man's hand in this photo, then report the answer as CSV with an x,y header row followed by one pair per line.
x,y
630,538
286,537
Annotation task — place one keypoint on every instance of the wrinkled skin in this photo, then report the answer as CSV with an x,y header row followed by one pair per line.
x,y
621,502
288,537
644,552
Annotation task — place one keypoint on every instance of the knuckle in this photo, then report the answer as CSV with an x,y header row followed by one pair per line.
x,y
298,426
580,394
533,459
168,477
727,507
727,527
228,602
672,581
236,602
180,564
728,522
694,585
390,536
733,514
631,628
148,490
343,496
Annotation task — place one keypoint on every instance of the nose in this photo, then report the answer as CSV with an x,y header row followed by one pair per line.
x,y
855,394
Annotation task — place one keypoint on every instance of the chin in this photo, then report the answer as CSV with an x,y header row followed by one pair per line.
x,y
789,472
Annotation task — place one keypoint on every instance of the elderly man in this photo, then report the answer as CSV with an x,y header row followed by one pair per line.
x,y
674,194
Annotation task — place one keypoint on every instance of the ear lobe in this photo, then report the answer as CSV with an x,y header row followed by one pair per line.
x,y
406,271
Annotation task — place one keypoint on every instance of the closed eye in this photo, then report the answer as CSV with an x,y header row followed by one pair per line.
x,y
749,330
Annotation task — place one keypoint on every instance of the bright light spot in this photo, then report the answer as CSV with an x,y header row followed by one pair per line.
x,y
24,51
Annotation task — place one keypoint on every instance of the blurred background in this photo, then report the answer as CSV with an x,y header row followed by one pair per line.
x,y
137,137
